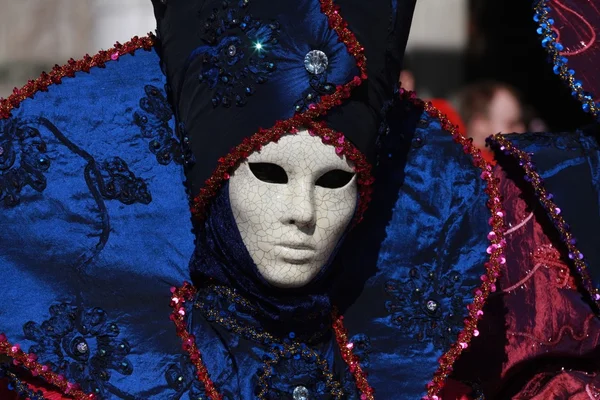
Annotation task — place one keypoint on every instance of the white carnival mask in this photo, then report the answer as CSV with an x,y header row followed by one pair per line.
x,y
292,202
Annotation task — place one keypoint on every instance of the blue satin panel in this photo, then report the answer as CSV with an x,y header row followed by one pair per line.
x,y
430,259
88,260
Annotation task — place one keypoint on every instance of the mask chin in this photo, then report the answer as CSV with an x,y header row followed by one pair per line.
x,y
292,203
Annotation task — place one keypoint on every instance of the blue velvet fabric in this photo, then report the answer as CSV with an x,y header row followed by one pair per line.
x,y
95,229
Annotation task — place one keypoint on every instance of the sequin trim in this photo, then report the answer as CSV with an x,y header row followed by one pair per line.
x,y
226,165
352,360
68,70
554,212
186,294
29,361
495,250
554,48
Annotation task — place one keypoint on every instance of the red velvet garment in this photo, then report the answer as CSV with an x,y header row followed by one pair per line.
x,y
540,339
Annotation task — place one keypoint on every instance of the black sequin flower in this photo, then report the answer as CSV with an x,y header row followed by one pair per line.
x,y
82,344
427,305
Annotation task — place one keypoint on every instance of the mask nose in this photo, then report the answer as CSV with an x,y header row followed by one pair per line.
x,y
299,208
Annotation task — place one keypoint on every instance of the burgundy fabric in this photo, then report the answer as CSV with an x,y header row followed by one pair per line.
x,y
577,23
538,337
551,337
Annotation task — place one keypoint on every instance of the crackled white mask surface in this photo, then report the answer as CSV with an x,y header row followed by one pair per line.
x,y
292,202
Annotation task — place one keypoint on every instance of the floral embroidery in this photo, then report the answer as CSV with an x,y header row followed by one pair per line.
x,y
82,344
427,305
181,378
550,257
23,160
234,57
153,120
119,183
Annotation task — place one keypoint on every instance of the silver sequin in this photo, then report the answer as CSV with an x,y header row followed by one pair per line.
x,y
300,393
432,305
82,347
231,50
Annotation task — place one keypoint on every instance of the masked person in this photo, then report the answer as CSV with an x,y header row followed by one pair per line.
x,y
343,238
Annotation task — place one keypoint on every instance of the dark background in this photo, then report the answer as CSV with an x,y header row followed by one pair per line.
x,y
503,46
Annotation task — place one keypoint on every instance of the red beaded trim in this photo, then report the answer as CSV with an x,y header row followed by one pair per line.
x,y
554,212
179,296
68,70
360,377
226,165
187,292
29,361
495,250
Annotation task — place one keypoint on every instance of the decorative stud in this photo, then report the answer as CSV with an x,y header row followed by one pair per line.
x,y
231,50
300,393
316,62
432,305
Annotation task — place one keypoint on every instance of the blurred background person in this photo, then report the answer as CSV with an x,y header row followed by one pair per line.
x,y
409,82
489,107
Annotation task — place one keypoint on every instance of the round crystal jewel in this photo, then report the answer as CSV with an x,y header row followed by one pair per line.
x,y
432,305
231,50
300,393
316,62
82,347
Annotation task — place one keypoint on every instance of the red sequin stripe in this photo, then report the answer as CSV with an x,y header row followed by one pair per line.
x,y
228,163
179,297
555,213
360,377
495,250
68,70
29,361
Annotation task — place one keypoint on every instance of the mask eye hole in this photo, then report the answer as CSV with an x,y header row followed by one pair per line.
x,y
268,172
334,179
